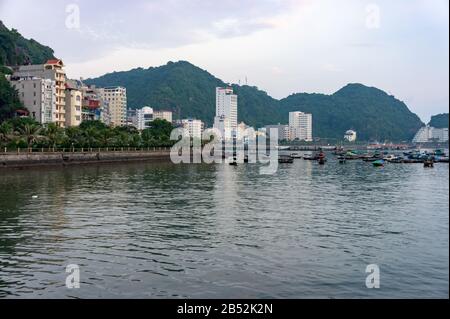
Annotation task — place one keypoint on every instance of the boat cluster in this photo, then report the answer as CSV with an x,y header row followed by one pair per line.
x,y
380,158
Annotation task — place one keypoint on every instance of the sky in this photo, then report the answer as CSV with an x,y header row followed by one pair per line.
x,y
280,46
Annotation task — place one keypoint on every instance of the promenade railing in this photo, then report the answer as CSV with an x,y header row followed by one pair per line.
x,y
41,150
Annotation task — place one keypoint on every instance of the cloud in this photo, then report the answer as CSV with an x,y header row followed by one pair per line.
x,y
150,24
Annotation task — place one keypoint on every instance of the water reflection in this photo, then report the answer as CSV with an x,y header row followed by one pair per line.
x,y
163,230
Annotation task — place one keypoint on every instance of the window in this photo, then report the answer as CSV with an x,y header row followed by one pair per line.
x,y
34,102
34,93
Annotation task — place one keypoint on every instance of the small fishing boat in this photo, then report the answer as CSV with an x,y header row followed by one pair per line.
x,y
233,161
428,163
282,159
309,157
439,153
378,163
321,158
296,155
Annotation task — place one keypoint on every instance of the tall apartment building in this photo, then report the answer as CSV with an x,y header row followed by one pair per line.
x,y
117,101
283,131
300,126
74,99
143,118
195,127
52,70
163,115
38,96
226,112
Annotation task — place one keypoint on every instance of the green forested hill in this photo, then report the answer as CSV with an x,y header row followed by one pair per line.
x,y
439,120
190,92
16,50
369,111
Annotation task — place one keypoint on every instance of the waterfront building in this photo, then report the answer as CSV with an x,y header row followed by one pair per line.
x,y
195,127
52,70
283,131
73,104
117,100
163,115
226,112
428,134
142,118
94,108
300,126
38,96
350,136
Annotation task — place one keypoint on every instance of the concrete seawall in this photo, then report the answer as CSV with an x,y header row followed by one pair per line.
x,y
18,160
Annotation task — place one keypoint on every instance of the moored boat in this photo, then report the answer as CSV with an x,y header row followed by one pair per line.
x,y
378,163
285,159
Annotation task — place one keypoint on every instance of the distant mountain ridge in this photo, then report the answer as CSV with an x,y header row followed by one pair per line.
x,y
189,91
439,120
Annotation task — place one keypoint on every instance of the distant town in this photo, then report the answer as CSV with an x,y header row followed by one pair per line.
x,y
50,97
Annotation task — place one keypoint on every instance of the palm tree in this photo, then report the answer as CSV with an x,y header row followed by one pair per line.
x,y
74,136
31,133
53,134
6,132
90,135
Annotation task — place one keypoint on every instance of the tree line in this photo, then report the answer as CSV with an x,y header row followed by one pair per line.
x,y
27,133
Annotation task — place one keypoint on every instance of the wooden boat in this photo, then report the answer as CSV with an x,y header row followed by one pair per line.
x,y
378,163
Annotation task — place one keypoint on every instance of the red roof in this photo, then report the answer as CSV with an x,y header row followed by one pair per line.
x,y
54,61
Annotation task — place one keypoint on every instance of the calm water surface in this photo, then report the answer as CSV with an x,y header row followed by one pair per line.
x,y
158,230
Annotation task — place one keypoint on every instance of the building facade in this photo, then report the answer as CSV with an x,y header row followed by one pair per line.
x,y
74,100
38,96
428,134
116,97
51,70
163,115
194,127
143,118
350,136
226,112
283,131
300,126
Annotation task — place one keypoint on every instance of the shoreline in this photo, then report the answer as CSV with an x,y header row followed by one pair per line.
x,y
37,159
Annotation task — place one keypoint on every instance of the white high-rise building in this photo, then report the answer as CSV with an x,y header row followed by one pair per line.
x,y
350,136
38,96
300,126
226,112
143,118
195,127
53,70
430,134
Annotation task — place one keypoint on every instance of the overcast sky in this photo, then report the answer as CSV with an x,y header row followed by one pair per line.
x,y
281,46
